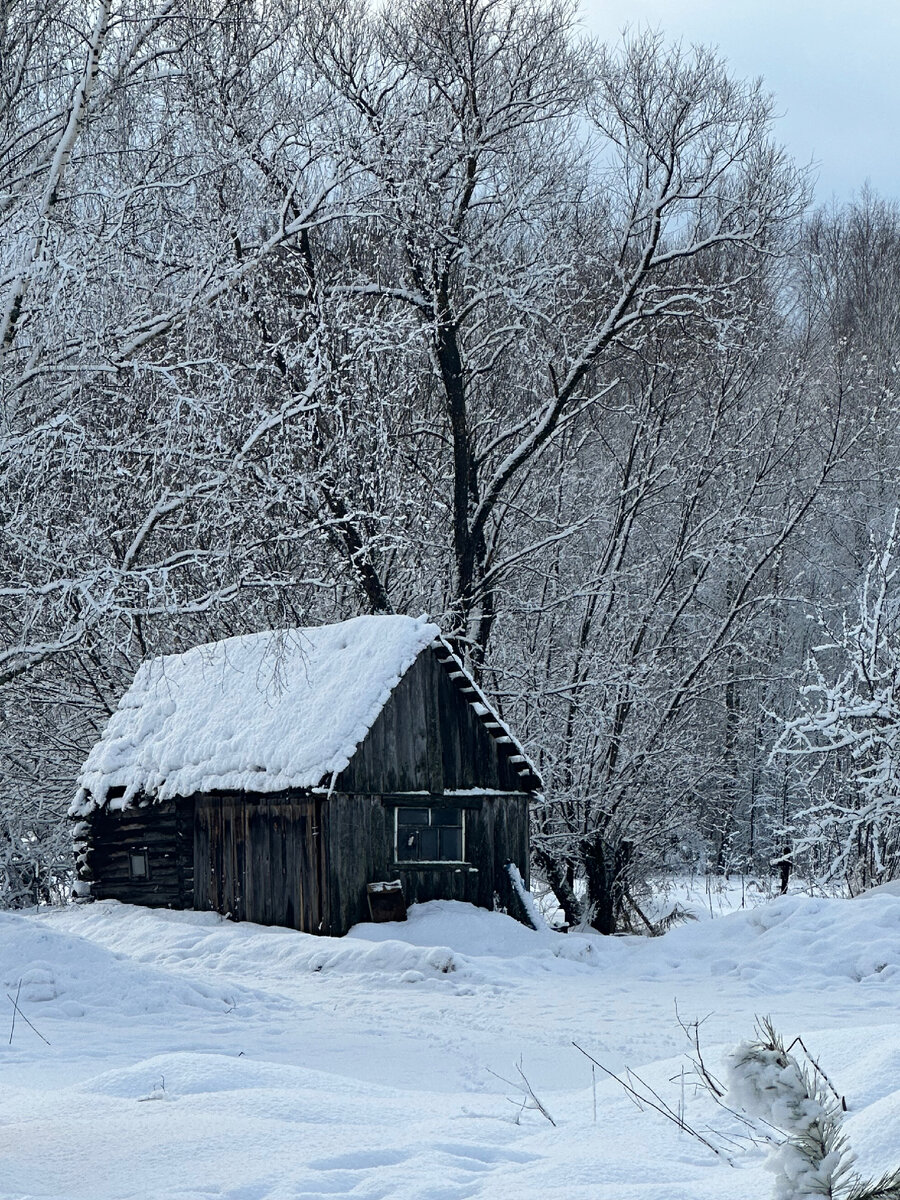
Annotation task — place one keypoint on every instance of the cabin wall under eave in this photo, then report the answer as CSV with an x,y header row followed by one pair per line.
x,y
428,738
299,861
257,858
354,841
358,848
497,832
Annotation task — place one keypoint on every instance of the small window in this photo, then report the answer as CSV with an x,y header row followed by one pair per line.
x,y
139,864
430,835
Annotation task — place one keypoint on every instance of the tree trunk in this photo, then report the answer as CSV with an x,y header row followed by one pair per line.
x,y
557,875
784,865
606,865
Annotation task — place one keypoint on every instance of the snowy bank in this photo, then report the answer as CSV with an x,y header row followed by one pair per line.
x,y
189,1058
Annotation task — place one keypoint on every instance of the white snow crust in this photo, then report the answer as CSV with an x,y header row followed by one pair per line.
x,y
189,1058
262,712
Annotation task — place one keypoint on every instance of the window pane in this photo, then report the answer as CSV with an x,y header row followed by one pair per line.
x,y
446,816
428,844
407,845
451,844
412,816
430,834
138,865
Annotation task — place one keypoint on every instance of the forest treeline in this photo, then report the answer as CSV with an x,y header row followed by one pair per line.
x,y
322,307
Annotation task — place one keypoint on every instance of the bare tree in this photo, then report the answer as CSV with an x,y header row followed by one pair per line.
x,y
434,306
526,266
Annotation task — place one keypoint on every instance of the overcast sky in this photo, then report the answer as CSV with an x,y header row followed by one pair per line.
x,y
833,66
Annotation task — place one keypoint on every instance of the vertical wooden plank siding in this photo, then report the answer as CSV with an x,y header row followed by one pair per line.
x,y
352,857
358,840
258,861
497,832
428,738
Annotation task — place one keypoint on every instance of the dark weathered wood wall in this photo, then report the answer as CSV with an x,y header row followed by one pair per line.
x,y
358,843
258,859
161,830
429,738
496,833
303,862
353,844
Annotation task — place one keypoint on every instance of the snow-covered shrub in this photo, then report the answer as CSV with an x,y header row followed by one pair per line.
x,y
848,727
814,1159
36,865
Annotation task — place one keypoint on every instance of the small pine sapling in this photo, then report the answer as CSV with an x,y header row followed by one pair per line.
x,y
815,1158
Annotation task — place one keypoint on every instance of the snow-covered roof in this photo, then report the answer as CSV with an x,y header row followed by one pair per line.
x,y
259,713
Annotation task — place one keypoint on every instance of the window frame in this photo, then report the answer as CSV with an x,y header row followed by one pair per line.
x,y
431,808
139,852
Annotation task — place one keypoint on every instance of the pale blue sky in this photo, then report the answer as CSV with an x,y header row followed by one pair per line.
x,y
833,66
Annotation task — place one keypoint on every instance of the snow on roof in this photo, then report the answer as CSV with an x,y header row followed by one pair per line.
x,y
263,712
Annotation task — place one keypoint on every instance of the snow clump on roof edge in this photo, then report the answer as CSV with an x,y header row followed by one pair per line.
x,y
262,712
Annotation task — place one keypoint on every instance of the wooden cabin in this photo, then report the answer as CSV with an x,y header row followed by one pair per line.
x,y
273,777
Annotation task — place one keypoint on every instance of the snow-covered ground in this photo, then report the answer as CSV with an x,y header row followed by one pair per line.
x,y
193,1059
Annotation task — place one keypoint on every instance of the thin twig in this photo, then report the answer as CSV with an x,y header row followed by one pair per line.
x,y
527,1089
798,1041
692,1032
16,1009
716,1089
658,1104
540,1106
12,1027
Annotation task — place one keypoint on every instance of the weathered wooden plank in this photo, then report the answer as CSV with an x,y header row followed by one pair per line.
x,y
429,736
352,860
426,799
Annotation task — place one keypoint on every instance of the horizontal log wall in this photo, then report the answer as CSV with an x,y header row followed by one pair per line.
x,y
184,848
154,828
